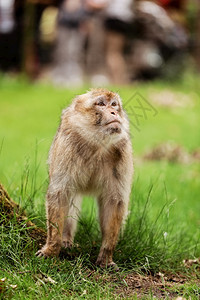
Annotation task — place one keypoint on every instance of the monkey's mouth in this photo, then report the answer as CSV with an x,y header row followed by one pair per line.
x,y
112,122
113,127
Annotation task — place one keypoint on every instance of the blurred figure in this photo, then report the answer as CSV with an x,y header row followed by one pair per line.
x,y
119,16
68,58
9,55
197,42
176,9
7,22
159,43
47,31
95,50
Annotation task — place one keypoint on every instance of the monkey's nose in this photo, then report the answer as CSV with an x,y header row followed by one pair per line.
x,y
113,113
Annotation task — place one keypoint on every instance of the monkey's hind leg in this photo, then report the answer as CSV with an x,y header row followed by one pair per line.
x,y
70,222
56,208
111,212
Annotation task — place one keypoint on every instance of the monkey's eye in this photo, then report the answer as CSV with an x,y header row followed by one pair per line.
x,y
114,103
101,103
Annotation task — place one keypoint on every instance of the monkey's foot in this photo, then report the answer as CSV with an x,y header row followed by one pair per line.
x,y
48,251
67,244
111,265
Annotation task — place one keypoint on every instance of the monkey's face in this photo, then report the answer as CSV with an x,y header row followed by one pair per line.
x,y
108,114
99,116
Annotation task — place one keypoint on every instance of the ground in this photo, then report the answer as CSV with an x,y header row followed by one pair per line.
x,y
158,255
124,284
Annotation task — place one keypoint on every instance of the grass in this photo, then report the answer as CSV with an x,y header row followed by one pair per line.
x,y
164,223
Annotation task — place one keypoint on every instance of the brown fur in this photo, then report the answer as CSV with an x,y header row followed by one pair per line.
x,y
91,153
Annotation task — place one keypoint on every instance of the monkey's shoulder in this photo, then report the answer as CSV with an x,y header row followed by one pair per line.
x,y
120,150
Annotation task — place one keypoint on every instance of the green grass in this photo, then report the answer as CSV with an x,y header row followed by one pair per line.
x,y
164,223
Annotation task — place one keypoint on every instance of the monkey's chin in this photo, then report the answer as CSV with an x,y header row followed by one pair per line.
x,y
113,128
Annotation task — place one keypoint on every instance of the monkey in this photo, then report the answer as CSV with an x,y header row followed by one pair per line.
x,y
91,154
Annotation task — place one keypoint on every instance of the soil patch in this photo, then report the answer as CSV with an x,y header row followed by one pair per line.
x,y
160,285
171,99
172,152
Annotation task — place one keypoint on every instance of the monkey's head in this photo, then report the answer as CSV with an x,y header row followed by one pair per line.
x,y
98,115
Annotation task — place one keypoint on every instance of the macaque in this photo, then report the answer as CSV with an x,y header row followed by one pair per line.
x,y
91,154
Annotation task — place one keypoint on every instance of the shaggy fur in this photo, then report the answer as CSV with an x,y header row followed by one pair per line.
x,y
91,154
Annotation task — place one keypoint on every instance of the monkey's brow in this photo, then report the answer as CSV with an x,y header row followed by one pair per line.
x,y
100,98
114,99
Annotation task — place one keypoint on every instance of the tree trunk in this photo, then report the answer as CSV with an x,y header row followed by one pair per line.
x,y
29,60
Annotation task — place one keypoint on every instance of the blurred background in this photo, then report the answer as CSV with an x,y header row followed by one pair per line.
x,y
99,42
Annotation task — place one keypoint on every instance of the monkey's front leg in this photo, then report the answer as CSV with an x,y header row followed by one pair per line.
x,y
111,212
56,209
71,219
